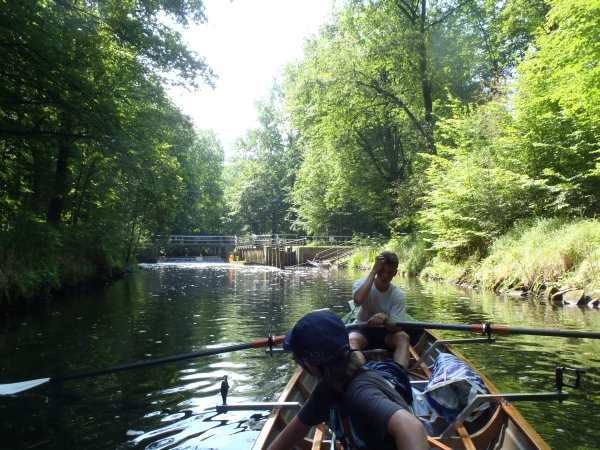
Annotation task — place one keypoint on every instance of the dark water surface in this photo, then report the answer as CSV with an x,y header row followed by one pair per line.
x,y
168,310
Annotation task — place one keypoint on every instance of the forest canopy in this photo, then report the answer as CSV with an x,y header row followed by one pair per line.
x,y
447,119
95,156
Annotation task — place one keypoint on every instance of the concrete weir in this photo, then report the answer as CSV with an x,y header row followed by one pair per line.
x,y
273,250
282,257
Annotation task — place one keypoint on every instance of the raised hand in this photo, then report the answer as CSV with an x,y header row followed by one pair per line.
x,y
378,264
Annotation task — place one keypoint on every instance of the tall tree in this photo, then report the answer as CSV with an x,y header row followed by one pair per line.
x,y
367,88
557,105
89,140
261,174
71,71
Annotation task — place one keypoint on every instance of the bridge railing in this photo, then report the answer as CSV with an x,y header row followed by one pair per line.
x,y
330,240
253,240
191,240
333,254
292,240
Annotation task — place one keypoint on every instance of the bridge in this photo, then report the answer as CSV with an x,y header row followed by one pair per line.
x,y
270,246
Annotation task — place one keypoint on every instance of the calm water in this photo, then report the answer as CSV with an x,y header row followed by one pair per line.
x,y
168,310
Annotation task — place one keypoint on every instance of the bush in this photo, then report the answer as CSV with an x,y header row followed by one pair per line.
x,y
36,258
413,253
28,261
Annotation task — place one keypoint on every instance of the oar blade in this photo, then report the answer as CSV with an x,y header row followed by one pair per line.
x,y
15,388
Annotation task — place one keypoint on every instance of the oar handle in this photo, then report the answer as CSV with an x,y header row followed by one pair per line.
x,y
495,329
259,343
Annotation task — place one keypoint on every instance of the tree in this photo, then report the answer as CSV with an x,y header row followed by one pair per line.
x,y
90,141
262,173
71,73
473,194
366,91
557,106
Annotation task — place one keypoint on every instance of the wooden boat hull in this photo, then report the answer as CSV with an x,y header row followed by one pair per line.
x,y
499,427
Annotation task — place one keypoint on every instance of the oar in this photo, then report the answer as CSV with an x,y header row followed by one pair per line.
x,y
13,388
482,328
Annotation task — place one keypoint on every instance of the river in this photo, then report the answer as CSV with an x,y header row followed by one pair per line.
x,y
171,309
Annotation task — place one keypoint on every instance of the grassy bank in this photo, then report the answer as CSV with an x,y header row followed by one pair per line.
x,y
37,259
535,254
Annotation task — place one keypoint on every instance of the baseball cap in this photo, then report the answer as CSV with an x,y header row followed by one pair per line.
x,y
319,338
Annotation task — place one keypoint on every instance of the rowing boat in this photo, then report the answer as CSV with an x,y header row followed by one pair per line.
x,y
500,426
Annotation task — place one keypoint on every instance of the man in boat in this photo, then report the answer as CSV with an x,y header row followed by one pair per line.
x,y
363,409
381,300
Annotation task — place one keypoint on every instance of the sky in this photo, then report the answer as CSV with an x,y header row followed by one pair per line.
x,y
247,43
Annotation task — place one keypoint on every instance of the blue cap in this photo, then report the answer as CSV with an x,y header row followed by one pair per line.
x,y
319,338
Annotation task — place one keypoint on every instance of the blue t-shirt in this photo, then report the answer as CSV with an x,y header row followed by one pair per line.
x,y
360,416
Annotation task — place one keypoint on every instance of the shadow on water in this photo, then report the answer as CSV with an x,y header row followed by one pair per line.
x,y
172,309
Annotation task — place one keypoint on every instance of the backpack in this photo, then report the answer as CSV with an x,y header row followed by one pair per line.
x,y
452,385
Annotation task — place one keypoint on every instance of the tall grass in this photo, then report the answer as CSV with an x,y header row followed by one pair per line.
x,y
548,251
533,254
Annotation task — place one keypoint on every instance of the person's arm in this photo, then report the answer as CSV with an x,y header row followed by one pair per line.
x,y
291,434
408,431
361,294
397,311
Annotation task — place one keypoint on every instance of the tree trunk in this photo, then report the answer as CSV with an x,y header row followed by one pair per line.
x,y
37,150
425,82
61,176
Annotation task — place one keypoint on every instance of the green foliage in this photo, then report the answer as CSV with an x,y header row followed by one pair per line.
x,y
557,106
261,175
413,252
534,253
534,155
90,141
473,196
28,266
364,99
566,56
513,27
442,269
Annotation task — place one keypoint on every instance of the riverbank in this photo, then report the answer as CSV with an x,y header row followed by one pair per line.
x,y
37,260
546,258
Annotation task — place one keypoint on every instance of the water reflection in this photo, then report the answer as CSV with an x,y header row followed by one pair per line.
x,y
169,310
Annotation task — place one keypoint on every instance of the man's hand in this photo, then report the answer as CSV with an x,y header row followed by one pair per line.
x,y
378,264
362,292
378,320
